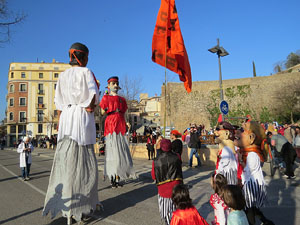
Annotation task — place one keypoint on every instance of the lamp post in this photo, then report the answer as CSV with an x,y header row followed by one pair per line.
x,y
220,52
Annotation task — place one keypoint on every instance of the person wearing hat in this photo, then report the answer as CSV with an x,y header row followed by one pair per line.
x,y
73,183
226,160
176,142
167,173
194,144
118,163
25,148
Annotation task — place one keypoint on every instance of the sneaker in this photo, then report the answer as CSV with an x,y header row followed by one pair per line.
x,y
285,176
27,178
292,177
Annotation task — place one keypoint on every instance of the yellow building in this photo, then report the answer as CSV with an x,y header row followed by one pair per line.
x,y
30,100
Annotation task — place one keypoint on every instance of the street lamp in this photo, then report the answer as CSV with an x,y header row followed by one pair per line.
x,y
220,52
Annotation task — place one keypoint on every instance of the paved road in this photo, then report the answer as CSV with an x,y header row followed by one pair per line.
x,y
133,204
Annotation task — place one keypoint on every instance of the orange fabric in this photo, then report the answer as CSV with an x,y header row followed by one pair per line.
x,y
255,149
71,51
188,216
167,38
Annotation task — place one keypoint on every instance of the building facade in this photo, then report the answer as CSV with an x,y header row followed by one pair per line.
x,y
30,100
144,113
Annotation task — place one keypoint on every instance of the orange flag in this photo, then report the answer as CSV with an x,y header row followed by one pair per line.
x,y
168,48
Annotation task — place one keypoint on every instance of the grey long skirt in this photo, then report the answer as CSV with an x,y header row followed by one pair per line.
x,y
73,182
118,159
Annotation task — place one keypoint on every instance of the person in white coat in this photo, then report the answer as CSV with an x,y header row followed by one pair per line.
x,y
25,148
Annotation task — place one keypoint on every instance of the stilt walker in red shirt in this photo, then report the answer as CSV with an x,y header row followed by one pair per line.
x,y
118,162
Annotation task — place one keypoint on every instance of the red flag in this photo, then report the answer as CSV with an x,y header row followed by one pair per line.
x,y
220,119
167,44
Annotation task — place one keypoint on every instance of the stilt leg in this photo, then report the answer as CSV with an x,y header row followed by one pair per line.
x,y
69,220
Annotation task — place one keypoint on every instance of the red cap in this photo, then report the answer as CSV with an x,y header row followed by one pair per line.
x,y
176,133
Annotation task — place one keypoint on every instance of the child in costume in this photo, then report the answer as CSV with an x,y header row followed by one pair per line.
x,y
234,199
221,210
185,213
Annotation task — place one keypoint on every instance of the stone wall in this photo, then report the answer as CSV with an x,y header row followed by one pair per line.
x,y
184,108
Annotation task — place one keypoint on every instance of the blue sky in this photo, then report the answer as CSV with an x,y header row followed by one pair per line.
x,y
119,36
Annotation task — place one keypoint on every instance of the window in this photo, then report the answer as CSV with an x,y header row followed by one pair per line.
x,y
11,102
13,129
12,75
56,68
22,117
55,113
41,75
22,87
40,100
11,116
22,129
40,128
55,75
40,115
22,101
41,68
41,89
23,75
23,67
54,86
11,88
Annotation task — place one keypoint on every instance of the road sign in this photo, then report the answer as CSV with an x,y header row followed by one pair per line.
x,y
224,107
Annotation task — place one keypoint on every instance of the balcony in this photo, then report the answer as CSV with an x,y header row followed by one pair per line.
x,y
41,92
40,106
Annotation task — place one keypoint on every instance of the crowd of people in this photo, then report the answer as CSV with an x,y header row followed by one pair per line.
x,y
237,181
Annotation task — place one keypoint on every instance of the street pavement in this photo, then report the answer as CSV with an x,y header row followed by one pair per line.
x,y
133,204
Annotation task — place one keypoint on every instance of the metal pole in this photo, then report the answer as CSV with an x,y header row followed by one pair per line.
x,y
220,77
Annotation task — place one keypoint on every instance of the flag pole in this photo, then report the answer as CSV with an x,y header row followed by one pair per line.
x,y
165,113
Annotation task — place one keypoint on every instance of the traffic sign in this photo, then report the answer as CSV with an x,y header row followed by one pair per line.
x,y
224,107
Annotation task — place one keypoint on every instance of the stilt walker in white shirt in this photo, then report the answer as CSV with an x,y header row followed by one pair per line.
x,y
73,183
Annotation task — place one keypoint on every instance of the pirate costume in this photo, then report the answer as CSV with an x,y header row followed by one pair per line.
x,y
167,172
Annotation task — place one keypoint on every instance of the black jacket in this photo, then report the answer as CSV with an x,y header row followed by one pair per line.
x,y
194,140
167,168
177,146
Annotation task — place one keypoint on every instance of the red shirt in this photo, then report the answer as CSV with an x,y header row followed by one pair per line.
x,y
115,107
188,216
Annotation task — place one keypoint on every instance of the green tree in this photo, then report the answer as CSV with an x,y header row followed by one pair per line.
x,y
292,60
254,70
288,103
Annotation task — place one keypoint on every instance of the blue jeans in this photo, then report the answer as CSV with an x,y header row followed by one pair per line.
x,y
194,152
26,170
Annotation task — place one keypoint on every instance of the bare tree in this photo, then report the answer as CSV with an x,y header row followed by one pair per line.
x,y
131,88
51,119
8,19
279,66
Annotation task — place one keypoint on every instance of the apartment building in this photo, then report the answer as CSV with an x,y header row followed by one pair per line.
x,y
30,99
145,113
